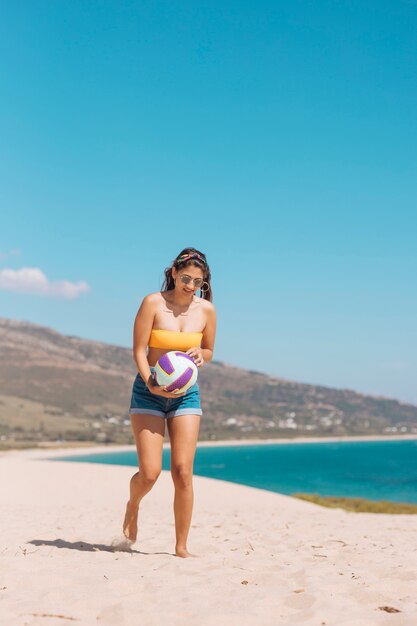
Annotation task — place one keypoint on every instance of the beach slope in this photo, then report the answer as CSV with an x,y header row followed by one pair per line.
x,y
264,558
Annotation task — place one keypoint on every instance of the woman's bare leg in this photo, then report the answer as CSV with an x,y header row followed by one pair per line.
x,y
183,433
149,431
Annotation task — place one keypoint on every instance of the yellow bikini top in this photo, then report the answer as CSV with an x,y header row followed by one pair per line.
x,y
174,339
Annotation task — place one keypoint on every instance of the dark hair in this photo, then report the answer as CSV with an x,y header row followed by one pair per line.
x,y
191,257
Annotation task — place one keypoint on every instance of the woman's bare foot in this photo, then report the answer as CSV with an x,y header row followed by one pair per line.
x,y
130,524
183,552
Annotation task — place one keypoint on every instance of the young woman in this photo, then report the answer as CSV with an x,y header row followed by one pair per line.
x,y
173,319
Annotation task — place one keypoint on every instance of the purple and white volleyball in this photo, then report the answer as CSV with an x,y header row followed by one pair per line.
x,y
176,371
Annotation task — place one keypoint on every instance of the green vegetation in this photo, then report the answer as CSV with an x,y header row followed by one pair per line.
x,y
359,505
59,389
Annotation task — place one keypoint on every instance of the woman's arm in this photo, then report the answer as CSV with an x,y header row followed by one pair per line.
x,y
205,353
141,333
209,334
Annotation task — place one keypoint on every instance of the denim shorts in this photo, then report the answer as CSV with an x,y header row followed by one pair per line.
x,y
144,401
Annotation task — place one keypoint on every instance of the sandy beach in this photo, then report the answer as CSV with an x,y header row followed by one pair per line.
x,y
263,558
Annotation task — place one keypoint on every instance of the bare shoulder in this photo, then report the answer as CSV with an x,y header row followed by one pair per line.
x,y
208,307
151,300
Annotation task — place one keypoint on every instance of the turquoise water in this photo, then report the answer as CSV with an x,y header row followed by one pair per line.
x,y
377,470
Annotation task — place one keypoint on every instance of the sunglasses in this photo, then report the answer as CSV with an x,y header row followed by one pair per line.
x,y
198,282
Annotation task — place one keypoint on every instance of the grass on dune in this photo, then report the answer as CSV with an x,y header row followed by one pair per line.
x,y
359,505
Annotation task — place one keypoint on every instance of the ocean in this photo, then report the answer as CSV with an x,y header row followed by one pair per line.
x,y
376,470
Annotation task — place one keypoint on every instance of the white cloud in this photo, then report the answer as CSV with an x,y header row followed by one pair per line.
x,y
32,280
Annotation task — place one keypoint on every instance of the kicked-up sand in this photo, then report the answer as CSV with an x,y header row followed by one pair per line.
x,y
263,558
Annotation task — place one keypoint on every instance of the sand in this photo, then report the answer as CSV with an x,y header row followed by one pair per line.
x,y
264,558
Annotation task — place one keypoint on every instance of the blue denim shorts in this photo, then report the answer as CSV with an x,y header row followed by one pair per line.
x,y
144,401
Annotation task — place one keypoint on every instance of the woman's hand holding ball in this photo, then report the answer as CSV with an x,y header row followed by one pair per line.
x,y
197,355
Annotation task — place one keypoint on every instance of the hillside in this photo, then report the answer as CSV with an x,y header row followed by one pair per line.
x,y
54,386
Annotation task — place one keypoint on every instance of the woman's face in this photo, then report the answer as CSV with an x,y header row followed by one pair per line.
x,y
188,279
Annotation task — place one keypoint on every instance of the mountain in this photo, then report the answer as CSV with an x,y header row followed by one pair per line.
x,y
58,387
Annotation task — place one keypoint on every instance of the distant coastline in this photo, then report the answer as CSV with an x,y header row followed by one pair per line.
x,y
51,448
77,390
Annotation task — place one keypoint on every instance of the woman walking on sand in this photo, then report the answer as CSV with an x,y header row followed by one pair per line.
x,y
173,319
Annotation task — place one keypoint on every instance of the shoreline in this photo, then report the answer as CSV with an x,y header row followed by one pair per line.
x,y
333,439
49,450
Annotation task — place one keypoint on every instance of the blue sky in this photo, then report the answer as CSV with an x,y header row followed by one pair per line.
x,y
278,138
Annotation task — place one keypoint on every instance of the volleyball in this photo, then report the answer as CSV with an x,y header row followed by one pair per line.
x,y
176,371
